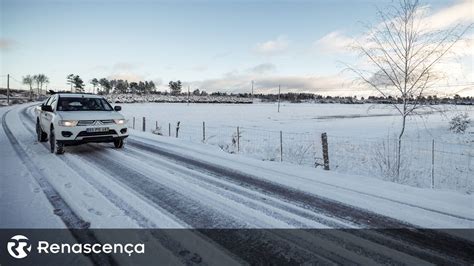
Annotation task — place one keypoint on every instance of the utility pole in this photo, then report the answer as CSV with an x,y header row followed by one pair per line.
x,y
252,91
8,89
279,90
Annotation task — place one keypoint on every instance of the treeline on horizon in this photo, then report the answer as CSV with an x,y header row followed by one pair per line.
x,y
302,97
144,88
313,97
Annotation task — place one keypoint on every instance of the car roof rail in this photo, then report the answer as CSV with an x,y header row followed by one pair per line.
x,y
68,92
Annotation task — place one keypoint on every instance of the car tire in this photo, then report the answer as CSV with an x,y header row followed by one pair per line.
x,y
118,143
59,148
41,136
55,147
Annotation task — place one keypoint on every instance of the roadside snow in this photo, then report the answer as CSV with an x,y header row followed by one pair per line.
x,y
22,203
423,207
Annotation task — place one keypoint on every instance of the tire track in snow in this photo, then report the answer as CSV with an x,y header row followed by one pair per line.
x,y
451,248
217,185
200,217
328,237
320,237
169,145
328,207
184,207
70,219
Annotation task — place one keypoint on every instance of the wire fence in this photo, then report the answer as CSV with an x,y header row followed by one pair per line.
x,y
422,163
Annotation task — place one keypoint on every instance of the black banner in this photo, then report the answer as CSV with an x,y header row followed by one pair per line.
x,y
235,246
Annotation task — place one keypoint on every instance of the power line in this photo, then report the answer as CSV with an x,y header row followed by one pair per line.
x,y
16,80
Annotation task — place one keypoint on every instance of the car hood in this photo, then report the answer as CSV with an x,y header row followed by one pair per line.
x,y
89,115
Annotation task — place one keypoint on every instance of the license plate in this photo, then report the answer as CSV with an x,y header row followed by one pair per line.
x,y
97,129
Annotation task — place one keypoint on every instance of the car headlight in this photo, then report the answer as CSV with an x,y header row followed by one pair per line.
x,y
120,121
68,123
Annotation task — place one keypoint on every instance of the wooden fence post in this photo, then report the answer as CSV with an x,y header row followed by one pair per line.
x,y
144,126
156,124
133,122
177,129
281,146
238,139
432,163
203,131
324,142
169,129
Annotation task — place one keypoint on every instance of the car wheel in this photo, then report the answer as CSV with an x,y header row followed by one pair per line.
x,y
40,134
56,147
52,140
59,148
118,143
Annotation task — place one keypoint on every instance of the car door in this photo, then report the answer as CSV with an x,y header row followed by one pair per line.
x,y
42,114
48,116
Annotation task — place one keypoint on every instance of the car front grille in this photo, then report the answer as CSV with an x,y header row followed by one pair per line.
x,y
93,134
95,122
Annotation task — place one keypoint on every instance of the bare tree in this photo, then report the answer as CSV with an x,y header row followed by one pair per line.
x,y
28,80
40,80
37,82
43,80
400,55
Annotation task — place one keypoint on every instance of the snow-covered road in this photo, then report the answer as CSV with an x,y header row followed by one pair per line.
x,y
166,183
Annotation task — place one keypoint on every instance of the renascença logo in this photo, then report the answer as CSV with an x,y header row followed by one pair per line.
x,y
19,246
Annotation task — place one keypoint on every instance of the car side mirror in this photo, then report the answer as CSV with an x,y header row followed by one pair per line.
x,y
46,108
117,108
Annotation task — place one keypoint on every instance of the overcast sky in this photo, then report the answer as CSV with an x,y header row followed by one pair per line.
x,y
213,45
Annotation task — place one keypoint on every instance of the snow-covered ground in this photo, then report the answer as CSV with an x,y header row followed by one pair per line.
x,y
162,182
362,138
94,179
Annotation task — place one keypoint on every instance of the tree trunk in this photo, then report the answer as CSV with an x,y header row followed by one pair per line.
x,y
400,145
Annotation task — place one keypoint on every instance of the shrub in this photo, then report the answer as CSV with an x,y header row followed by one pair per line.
x,y
459,123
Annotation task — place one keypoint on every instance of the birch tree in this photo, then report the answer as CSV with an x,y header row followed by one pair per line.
x,y
400,56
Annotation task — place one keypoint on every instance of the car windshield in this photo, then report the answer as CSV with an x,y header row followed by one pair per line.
x,y
83,104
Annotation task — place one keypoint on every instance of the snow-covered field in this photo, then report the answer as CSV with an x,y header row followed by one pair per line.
x,y
362,138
